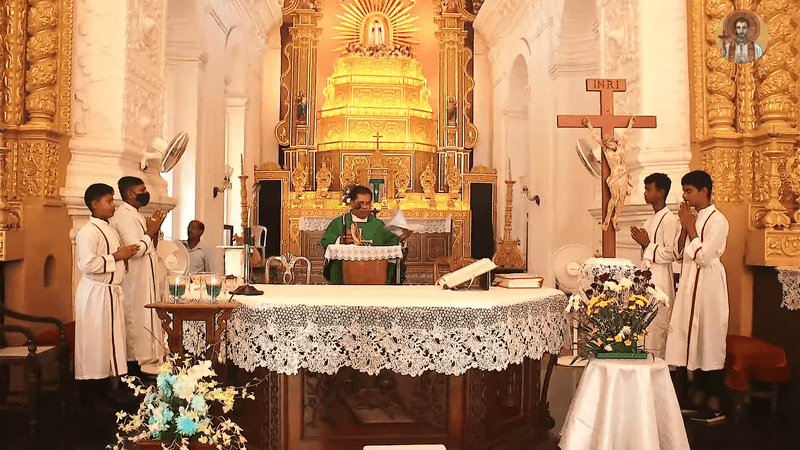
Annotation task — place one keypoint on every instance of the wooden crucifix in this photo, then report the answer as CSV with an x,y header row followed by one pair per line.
x,y
606,122
377,137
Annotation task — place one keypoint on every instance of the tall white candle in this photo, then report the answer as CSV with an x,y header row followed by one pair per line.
x,y
509,168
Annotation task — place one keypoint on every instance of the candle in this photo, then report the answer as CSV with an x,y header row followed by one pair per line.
x,y
509,168
242,163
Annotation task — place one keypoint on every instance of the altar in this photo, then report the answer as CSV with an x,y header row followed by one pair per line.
x,y
348,366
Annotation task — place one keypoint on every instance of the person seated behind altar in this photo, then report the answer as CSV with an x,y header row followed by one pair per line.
x,y
359,226
199,254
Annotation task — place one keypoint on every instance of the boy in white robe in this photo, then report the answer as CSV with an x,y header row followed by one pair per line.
x,y
140,286
657,239
699,323
99,317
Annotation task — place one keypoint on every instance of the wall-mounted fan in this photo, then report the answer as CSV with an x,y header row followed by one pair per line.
x,y
567,263
590,157
168,153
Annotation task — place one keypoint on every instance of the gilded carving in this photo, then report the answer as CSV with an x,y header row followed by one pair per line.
x,y
324,179
454,181
13,41
31,169
299,178
428,181
720,108
777,68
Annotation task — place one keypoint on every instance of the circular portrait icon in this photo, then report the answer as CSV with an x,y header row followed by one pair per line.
x,y
742,36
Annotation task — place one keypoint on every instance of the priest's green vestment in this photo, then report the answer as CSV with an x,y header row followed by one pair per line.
x,y
373,229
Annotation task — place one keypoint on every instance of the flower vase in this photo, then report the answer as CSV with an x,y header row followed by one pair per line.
x,y
155,444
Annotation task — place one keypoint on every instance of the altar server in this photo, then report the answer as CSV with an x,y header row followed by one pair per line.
x,y
699,323
140,286
99,318
657,239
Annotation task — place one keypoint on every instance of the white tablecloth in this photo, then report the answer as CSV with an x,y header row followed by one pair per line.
x,y
790,280
624,404
407,329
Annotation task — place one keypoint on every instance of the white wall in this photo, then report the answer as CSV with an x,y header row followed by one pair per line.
x,y
562,43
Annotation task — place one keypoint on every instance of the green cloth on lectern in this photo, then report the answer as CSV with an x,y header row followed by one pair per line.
x,y
373,229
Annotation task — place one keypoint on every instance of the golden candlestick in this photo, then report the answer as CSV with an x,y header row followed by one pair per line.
x,y
507,254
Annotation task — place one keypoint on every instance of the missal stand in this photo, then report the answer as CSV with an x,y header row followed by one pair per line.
x,y
365,264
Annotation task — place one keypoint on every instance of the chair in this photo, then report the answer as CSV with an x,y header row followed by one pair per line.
x,y
751,359
259,235
288,262
453,264
30,357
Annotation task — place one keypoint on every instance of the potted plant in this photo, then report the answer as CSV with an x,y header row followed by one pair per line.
x,y
614,315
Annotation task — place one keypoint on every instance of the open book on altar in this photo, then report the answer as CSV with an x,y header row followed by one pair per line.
x,y
464,274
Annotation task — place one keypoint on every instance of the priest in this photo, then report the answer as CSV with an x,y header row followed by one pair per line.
x,y
359,226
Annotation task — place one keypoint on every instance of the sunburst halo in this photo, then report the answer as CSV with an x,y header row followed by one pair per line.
x,y
359,13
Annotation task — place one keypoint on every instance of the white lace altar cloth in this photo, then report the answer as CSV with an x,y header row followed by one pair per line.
x,y
363,252
434,225
406,329
790,280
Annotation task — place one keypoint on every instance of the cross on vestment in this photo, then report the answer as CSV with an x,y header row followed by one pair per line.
x,y
377,137
606,122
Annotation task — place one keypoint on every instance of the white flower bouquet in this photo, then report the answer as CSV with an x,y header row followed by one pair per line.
x,y
175,411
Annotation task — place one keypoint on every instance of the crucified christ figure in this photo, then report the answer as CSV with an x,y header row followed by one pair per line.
x,y
619,180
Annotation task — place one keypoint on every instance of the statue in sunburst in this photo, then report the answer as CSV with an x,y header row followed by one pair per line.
x,y
373,24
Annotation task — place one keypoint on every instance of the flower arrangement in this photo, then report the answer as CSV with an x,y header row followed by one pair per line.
x,y
615,315
175,410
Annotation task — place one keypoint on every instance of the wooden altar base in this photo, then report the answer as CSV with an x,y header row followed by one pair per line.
x,y
479,410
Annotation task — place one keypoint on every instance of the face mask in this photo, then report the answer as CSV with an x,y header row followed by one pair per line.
x,y
143,198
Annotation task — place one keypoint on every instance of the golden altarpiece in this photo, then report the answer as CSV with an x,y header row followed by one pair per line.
x,y
373,124
744,129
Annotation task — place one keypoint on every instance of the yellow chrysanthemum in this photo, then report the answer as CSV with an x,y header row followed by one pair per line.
x,y
628,343
633,307
618,338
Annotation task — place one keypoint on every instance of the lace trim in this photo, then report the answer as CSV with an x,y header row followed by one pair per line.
x,y
362,252
790,279
406,340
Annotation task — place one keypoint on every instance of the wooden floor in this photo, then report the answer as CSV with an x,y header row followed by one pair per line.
x,y
95,432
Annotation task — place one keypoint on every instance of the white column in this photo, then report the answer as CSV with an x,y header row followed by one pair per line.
x,y
482,103
235,132
665,94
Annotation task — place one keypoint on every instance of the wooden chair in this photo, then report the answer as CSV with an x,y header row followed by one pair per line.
x,y
453,264
31,357
288,261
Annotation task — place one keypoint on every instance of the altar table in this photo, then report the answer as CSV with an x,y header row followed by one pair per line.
x,y
349,366
624,404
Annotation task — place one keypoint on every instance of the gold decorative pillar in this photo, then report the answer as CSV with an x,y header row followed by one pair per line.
x,y
776,71
456,82
13,41
297,129
40,79
773,214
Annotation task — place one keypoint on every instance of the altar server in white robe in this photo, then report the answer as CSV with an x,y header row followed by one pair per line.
x,y
140,286
699,323
100,354
657,239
